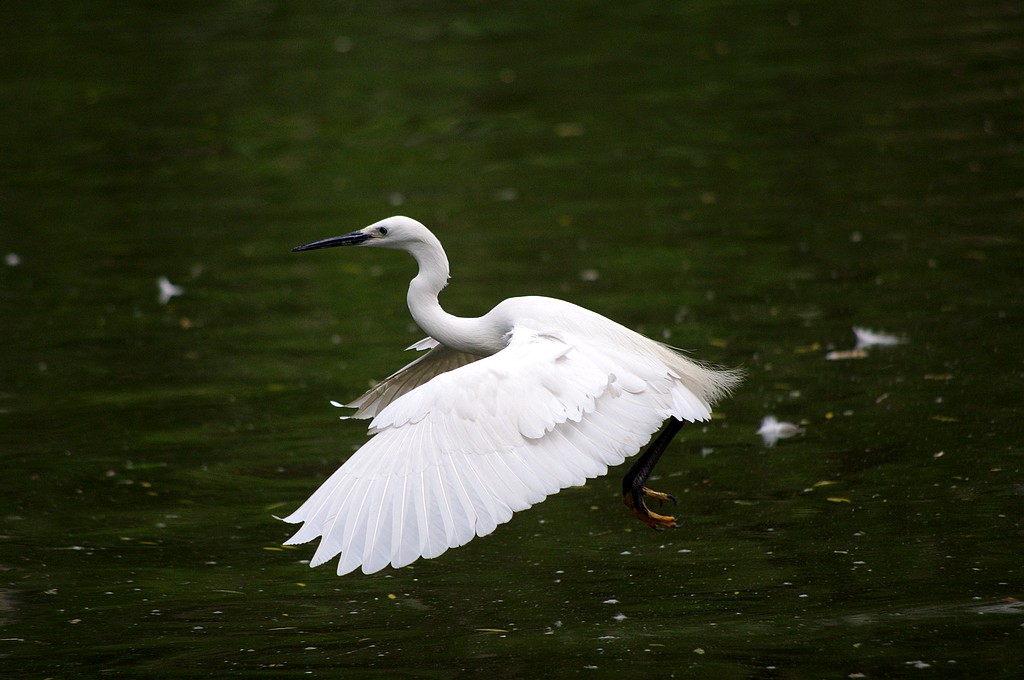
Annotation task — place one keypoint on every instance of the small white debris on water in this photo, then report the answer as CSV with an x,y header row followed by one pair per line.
x,y
168,290
772,430
867,338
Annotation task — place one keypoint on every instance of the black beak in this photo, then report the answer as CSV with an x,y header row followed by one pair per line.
x,y
353,239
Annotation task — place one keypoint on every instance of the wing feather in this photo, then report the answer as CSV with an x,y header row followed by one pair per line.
x,y
461,442
438,359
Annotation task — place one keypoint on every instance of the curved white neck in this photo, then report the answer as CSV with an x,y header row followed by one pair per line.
x,y
471,334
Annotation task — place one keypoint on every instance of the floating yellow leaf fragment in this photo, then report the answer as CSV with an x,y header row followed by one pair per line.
x,y
946,419
717,342
491,630
273,548
392,596
813,347
283,628
824,482
837,499
841,354
569,130
699,650
351,268
301,585
830,415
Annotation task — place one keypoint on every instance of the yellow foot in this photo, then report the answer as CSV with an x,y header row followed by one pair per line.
x,y
635,502
659,496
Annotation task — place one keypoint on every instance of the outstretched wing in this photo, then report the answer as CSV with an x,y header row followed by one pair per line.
x,y
439,359
456,456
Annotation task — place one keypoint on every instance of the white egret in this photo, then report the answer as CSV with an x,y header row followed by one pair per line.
x,y
503,410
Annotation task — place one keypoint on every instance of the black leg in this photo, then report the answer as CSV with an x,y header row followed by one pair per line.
x,y
633,484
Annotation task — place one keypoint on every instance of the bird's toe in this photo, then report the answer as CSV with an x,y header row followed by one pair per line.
x,y
659,496
635,502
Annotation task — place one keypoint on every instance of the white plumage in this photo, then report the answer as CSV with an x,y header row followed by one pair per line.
x,y
500,412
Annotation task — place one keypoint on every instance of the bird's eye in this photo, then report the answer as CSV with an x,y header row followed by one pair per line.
x,y
383,231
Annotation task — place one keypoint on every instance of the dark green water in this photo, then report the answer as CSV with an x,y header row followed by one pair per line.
x,y
747,180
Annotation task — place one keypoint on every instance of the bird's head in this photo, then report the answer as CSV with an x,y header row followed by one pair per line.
x,y
398,233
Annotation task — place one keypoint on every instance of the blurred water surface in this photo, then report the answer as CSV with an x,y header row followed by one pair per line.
x,y
746,180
